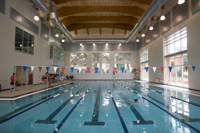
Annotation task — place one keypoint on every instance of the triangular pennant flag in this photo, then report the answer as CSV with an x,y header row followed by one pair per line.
x,y
96,69
138,69
105,69
193,67
24,68
63,69
80,69
114,69
178,68
32,68
162,68
40,68
146,68
122,68
88,69
47,69
186,68
55,69
170,69
154,69
130,69
72,69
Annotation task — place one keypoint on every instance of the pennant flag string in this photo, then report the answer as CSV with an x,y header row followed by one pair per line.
x,y
122,68
170,68
154,69
32,68
193,67
40,68
72,69
130,69
47,69
186,68
24,68
146,68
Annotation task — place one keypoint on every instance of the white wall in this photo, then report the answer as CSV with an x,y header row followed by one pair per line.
x,y
100,75
8,56
156,57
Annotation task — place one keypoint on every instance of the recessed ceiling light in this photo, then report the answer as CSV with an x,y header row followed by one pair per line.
x,y
20,45
63,40
106,44
120,44
162,18
137,40
36,18
93,44
81,44
151,28
181,2
143,35
56,35
32,45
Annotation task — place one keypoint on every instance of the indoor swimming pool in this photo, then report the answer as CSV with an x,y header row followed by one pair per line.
x,y
102,107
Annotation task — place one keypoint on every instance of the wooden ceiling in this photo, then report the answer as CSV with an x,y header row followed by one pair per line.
x,y
100,16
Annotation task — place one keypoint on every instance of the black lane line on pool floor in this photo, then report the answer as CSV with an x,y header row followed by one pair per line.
x,y
119,114
67,116
8,118
134,110
95,115
185,117
167,112
195,104
49,119
19,109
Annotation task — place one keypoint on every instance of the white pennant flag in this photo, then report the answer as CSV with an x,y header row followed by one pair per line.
x,y
55,69
154,69
105,69
130,69
178,68
80,68
32,68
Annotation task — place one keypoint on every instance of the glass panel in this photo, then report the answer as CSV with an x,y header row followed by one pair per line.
x,y
83,65
105,65
25,45
167,70
119,65
72,57
18,42
75,65
31,47
95,65
119,57
184,43
105,57
173,76
95,57
179,69
185,73
127,57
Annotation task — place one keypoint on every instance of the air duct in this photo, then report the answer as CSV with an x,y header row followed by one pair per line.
x,y
43,5
58,24
153,8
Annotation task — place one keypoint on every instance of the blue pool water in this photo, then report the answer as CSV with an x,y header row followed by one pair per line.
x,y
102,107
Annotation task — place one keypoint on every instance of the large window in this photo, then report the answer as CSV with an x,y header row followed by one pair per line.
x,y
78,60
24,41
105,60
95,60
56,53
144,63
176,41
122,60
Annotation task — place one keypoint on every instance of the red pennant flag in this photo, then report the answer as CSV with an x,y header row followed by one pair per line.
x,y
138,69
162,69
114,69
107,71
186,68
40,68
63,69
125,71
98,71
88,69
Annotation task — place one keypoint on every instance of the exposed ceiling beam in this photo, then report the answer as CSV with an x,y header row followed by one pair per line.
x,y
132,10
78,19
97,25
75,32
87,31
124,32
100,30
113,31
145,2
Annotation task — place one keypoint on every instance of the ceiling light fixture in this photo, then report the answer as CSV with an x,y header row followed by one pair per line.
x,y
162,18
93,44
181,2
81,44
36,18
151,28
63,40
143,35
120,44
56,35
106,44
137,40
31,45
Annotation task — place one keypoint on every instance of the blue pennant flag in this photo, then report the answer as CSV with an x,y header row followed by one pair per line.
x,y
122,68
170,69
96,69
47,69
146,68
193,67
72,69
77,71
86,71
24,68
